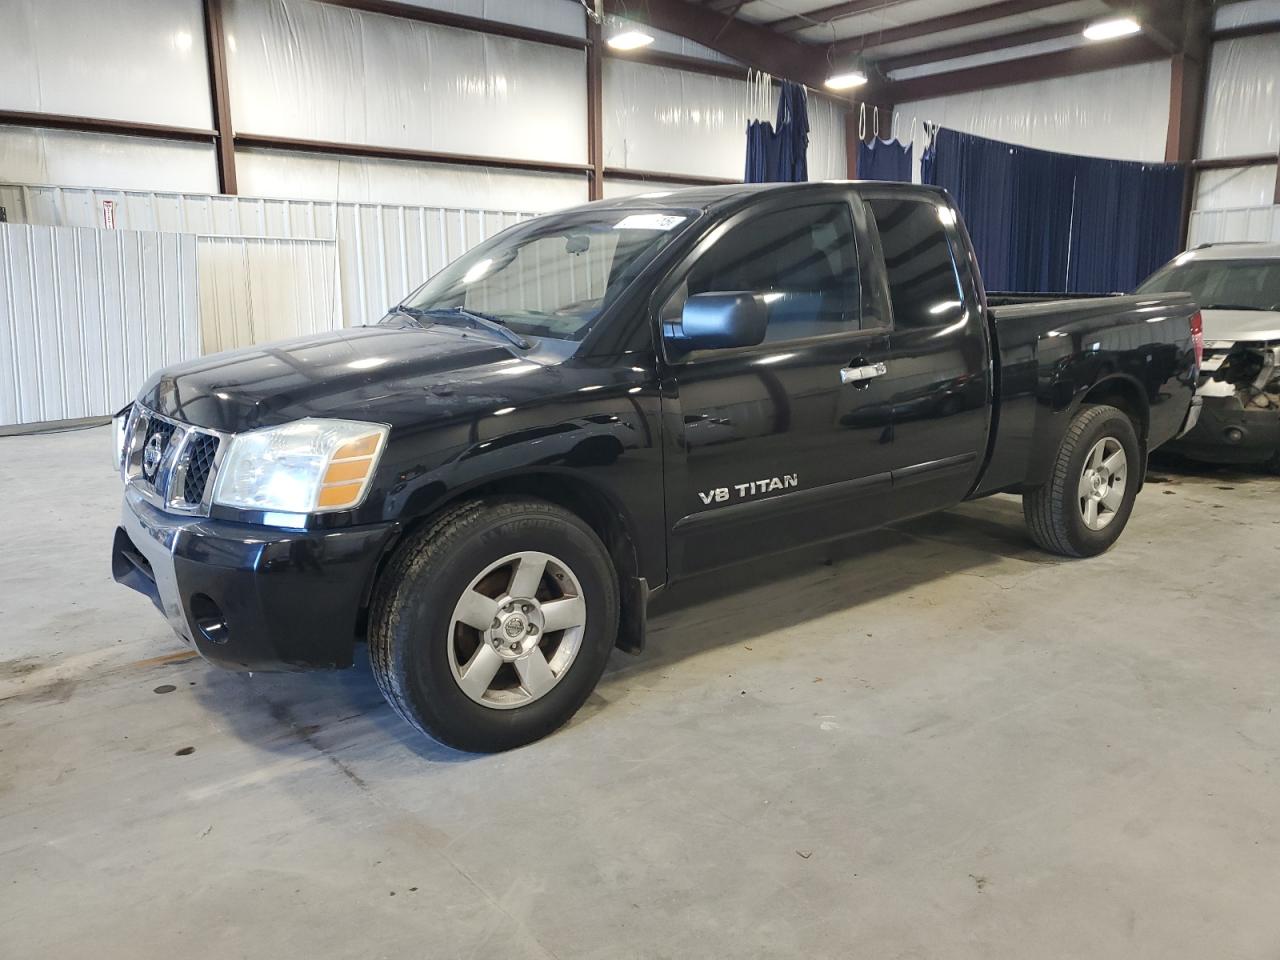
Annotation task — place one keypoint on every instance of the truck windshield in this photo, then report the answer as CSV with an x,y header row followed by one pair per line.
x,y
552,276
1221,284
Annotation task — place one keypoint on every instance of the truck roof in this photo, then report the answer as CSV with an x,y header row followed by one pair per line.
x,y
730,194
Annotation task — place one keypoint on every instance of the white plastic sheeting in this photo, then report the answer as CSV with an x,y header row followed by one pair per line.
x,y
313,71
254,290
617,187
1119,114
662,119
273,173
86,315
1219,226
1246,13
554,16
1235,188
383,251
140,60
1242,107
30,155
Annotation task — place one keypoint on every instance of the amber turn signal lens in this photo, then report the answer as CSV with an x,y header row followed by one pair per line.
x,y
363,447
348,472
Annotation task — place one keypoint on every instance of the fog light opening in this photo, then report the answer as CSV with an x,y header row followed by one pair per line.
x,y
209,619
1233,434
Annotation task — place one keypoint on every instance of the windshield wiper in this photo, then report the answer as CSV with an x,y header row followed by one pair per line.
x,y
482,320
1229,306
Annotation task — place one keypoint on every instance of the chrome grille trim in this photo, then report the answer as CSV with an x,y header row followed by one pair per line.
x,y
167,490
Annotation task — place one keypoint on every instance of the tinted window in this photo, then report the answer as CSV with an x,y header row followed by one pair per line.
x,y
1222,284
923,283
802,259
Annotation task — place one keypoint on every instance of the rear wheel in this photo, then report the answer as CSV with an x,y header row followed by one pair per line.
x,y
491,626
1084,507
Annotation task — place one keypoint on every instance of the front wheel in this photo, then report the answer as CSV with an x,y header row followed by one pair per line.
x,y
492,625
1082,509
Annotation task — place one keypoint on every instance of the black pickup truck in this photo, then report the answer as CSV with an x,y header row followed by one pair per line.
x,y
489,484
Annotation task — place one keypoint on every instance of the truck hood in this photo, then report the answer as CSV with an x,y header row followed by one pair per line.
x,y
1234,325
394,373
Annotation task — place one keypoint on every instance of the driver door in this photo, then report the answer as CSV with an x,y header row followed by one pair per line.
x,y
787,441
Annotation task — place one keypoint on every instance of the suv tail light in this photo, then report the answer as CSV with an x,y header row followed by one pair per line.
x,y
1197,338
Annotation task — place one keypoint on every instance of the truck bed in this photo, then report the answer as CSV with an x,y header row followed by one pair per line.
x,y
1053,354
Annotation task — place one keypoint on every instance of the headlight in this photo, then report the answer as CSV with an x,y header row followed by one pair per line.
x,y
310,466
120,432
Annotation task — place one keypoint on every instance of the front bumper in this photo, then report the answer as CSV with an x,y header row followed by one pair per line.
x,y
1228,432
250,597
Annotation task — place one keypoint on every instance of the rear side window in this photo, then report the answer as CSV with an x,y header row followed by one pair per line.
x,y
803,260
924,284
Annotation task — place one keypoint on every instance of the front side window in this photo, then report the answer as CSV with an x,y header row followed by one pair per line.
x,y
552,276
801,261
1221,284
924,285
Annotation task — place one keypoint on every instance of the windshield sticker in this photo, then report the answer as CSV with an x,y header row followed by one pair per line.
x,y
649,221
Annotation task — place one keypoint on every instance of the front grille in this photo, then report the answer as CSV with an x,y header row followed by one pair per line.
x,y
170,462
201,450
162,429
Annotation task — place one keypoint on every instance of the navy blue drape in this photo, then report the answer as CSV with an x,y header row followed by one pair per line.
x,y
779,153
1055,222
884,160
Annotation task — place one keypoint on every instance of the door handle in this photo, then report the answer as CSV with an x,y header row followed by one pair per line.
x,y
862,374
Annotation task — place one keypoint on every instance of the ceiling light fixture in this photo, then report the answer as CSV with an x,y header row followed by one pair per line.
x,y
630,39
1111,29
845,80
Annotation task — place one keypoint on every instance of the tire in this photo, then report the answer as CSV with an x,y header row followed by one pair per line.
x,y
423,653
1273,465
1057,514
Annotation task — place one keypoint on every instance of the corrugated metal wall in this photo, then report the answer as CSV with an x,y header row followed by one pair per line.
x,y
383,251
86,315
254,290
1234,224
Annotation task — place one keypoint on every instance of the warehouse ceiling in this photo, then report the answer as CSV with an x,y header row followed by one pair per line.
x,y
914,48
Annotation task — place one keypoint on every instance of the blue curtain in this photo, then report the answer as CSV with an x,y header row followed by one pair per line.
x,y
1128,223
1055,222
778,153
884,160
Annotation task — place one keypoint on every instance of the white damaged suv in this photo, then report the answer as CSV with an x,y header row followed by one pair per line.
x,y
1238,288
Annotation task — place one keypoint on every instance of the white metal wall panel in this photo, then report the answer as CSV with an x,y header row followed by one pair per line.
x,y
315,71
1233,225
383,251
254,290
86,315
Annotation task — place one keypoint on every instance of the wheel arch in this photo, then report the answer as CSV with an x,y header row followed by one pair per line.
x,y
591,504
1124,393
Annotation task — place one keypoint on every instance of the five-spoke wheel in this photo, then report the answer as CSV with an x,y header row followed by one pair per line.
x,y
516,629
1102,483
492,623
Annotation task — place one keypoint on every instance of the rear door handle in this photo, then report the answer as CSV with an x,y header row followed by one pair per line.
x,y
861,374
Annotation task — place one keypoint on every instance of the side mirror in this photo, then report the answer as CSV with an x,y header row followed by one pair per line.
x,y
713,321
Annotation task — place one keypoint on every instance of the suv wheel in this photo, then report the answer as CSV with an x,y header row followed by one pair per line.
x,y
492,625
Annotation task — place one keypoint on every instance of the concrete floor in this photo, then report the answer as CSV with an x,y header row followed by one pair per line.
x,y
942,744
